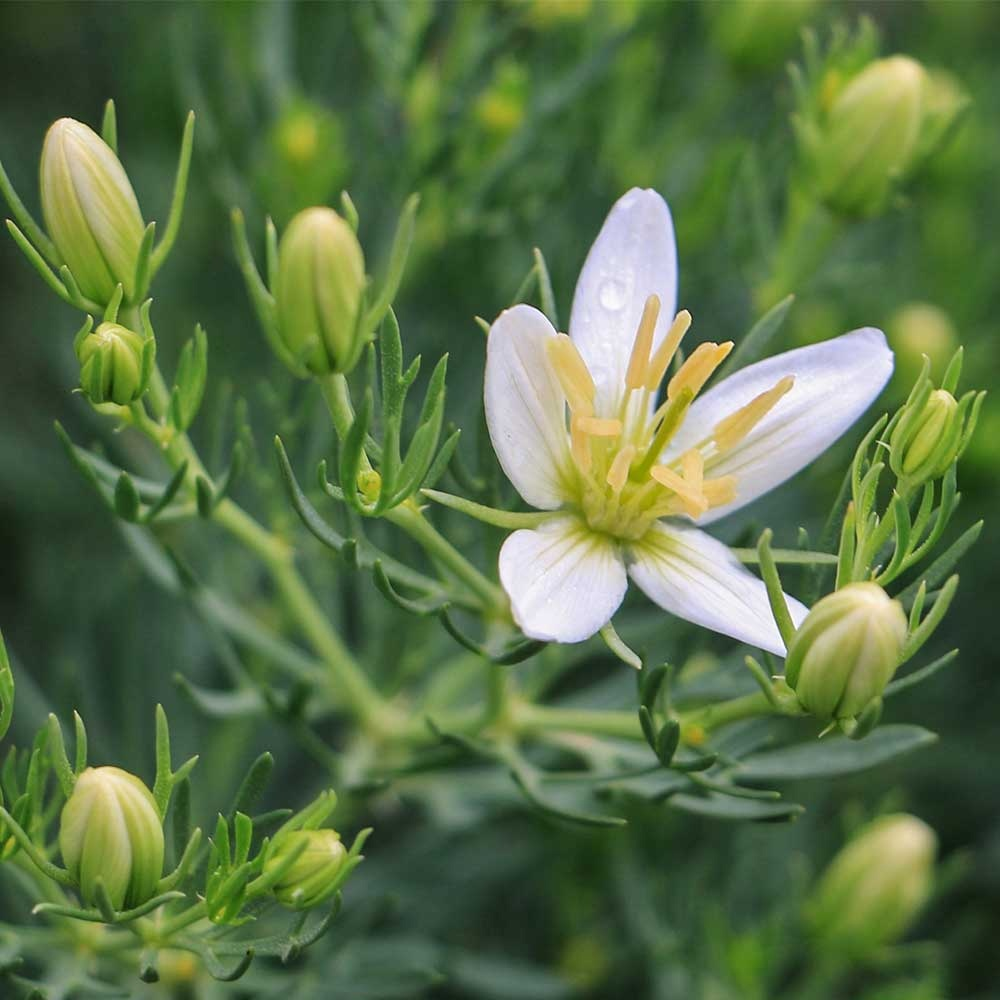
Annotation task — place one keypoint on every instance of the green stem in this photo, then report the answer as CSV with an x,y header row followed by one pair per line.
x,y
278,557
408,517
337,395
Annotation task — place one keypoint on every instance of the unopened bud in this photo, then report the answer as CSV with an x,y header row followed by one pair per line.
x,y
758,34
846,651
312,876
870,136
319,288
90,210
874,888
110,832
111,365
923,448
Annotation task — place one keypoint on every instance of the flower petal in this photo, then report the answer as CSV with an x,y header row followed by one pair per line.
x,y
835,382
564,580
633,257
694,576
525,407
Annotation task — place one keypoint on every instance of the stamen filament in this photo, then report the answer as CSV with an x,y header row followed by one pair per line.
x,y
694,503
669,416
638,362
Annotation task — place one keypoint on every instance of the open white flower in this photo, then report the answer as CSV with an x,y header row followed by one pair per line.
x,y
581,429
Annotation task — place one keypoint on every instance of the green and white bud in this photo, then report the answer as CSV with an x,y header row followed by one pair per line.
x,y
311,879
319,291
110,831
90,210
923,448
870,136
112,368
846,651
874,888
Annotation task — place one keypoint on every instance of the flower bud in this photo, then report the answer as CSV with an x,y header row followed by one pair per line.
x,y
318,292
111,365
90,210
756,35
874,888
846,651
923,449
110,830
309,879
870,136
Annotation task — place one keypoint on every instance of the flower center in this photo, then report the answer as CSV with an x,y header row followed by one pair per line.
x,y
621,482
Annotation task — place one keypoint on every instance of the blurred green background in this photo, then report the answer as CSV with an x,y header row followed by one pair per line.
x,y
519,124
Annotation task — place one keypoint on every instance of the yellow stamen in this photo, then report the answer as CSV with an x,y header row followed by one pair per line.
x,y
719,491
618,473
660,361
579,444
693,467
734,428
693,501
599,426
572,371
638,362
698,368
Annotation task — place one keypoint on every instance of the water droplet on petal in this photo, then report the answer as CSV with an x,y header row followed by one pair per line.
x,y
612,294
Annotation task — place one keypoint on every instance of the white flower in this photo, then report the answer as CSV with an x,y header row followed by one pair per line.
x,y
581,429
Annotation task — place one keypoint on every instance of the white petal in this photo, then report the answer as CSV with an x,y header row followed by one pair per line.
x,y
564,581
835,382
695,577
525,407
633,257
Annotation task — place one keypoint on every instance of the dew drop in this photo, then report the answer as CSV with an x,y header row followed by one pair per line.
x,y
612,294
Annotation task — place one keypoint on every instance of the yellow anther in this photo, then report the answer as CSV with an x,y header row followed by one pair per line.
x,y
618,473
572,371
660,361
692,500
719,491
579,444
693,468
698,368
599,426
734,428
638,362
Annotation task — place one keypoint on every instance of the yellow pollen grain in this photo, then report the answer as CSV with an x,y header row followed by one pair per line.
x,y
618,473
660,361
693,501
599,426
574,376
734,428
698,368
719,491
638,362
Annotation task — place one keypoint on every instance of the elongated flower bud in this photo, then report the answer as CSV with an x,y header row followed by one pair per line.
x,y
111,365
924,449
846,651
874,888
90,210
110,830
318,292
310,879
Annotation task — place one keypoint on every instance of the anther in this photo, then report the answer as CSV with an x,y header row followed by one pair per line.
x,y
719,491
638,362
693,501
665,352
618,473
698,368
732,429
599,426
574,376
